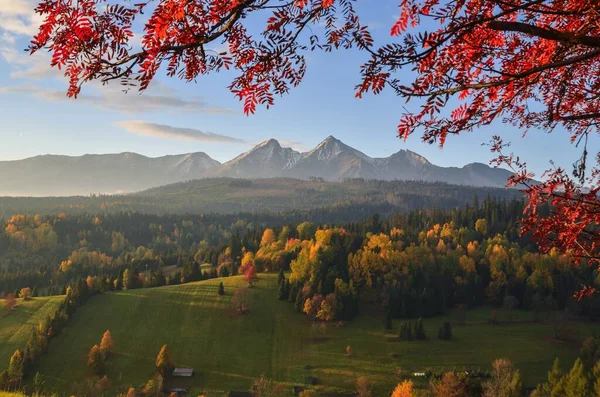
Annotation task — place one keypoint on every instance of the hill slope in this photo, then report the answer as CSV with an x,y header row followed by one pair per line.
x,y
228,350
15,328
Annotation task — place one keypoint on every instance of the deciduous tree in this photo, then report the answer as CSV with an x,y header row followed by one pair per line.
x,y
11,302
25,293
107,344
505,381
95,360
404,389
451,385
363,387
250,275
164,365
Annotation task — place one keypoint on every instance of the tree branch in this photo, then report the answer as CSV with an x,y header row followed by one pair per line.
x,y
545,33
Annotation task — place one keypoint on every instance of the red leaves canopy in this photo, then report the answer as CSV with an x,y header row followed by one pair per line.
x,y
530,63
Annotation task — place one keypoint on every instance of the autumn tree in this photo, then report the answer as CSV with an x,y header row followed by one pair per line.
x,y
482,62
450,385
11,302
95,360
164,365
404,389
107,344
363,387
250,275
25,293
505,380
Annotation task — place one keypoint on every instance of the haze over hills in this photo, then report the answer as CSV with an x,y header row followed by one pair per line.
x,y
332,160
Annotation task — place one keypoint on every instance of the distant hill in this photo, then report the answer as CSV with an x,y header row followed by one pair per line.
x,y
331,160
51,175
351,199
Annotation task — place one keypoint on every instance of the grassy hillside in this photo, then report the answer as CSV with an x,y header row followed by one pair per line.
x,y
15,328
228,350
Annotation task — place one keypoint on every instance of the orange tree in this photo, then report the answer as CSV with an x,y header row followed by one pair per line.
x,y
530,63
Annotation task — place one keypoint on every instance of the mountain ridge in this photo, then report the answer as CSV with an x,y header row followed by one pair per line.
x,y
128,172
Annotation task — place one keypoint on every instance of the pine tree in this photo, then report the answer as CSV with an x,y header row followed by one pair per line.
x,y
420,329
281,292
280,278
388,319
554,377
299,305
164,365
34,292
596,375
577,382
445,331
221,288
107,344
406,330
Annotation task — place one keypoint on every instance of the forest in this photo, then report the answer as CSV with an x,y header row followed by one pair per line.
x,y
411,266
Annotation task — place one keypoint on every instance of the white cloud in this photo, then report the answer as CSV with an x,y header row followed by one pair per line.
x,y
112,98
166,131
298,146
19,17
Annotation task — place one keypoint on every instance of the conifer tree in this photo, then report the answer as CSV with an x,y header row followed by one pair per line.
x,y
554,377
596,375
420,330
280,278
107,344
281,292
577,382
445,331
221,288
164,365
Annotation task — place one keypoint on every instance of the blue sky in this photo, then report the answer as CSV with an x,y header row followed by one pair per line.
x,y
36,118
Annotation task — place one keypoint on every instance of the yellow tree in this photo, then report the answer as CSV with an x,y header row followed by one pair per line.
x,y
163,361
25,293
107,344
268,237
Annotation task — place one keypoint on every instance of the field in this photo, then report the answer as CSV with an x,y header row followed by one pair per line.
x,y
227,350
16,327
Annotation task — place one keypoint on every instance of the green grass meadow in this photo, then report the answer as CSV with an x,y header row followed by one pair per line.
x,y
16,327
228,350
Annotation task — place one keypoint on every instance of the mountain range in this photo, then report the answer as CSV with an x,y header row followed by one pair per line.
x,y
331,160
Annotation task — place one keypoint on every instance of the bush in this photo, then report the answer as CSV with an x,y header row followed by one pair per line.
x,y
445,331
